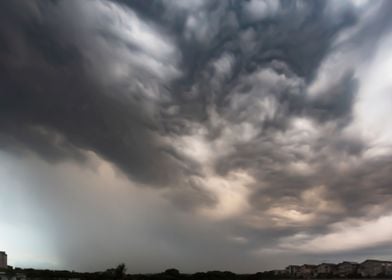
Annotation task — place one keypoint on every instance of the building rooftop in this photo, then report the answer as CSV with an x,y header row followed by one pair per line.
x,y
378,261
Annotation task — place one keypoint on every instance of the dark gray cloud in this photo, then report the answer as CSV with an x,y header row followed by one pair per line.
x,y
242,115
54,107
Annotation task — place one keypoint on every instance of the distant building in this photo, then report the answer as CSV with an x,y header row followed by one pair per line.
x,y
367,269
3,260
279,272
292,270
372,268
325,269
307,270
345,269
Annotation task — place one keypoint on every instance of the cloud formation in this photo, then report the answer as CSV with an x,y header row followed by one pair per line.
x,y
246,128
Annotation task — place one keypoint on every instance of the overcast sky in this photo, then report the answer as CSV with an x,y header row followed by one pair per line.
x,y
196,134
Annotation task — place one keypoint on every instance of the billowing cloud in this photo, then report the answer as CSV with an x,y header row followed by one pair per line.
x,y
239,135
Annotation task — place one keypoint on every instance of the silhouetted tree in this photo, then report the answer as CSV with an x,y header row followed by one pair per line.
x,y
172,272
119,272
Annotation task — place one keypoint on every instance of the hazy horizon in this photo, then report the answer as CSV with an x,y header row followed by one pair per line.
x,y
197,134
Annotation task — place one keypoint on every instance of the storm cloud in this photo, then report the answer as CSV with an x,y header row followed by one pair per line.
x,y
236,135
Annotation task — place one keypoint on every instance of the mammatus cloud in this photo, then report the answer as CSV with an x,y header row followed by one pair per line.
x,y
253,132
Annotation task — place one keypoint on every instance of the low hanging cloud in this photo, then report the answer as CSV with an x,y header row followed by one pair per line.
x,y
252,118
344,236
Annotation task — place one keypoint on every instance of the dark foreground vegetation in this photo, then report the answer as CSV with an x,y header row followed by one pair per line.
x,y
119,273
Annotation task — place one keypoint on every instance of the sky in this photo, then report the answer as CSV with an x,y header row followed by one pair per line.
x,y
198,134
